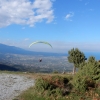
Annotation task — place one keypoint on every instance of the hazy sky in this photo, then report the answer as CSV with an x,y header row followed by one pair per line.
x,y
63,23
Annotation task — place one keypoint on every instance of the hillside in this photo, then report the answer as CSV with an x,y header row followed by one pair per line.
x,y
16,50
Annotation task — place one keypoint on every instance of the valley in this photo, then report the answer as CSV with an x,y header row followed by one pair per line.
x,y
31,63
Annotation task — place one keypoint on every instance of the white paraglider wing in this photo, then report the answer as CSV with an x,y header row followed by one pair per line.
x,y
40,42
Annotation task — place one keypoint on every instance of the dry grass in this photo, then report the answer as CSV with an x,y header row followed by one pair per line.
x,y
36,75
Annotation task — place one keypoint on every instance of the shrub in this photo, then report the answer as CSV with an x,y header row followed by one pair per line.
x,y
55,72
79,83
53,86
41,84
87,76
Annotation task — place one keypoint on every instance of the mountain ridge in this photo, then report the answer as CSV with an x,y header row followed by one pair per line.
x,y
16,50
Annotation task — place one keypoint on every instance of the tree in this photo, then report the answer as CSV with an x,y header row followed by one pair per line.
x,y
76,57
91,59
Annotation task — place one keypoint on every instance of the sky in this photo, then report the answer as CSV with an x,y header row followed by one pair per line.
x,y
65,24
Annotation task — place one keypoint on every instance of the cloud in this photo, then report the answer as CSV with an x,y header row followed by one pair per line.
x,y
69,16
25,12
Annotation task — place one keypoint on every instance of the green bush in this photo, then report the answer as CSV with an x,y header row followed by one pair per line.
x,y
87,76
55,72
41,84
53,86
90,69
79,83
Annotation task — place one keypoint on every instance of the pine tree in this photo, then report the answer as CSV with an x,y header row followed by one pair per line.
x,y
76,57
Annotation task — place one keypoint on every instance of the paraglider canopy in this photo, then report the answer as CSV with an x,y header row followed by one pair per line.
x,y
40,42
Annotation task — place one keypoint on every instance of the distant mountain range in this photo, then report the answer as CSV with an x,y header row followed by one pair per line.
x,y
16,50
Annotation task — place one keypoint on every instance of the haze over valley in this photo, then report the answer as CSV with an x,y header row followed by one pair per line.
x,y
30,61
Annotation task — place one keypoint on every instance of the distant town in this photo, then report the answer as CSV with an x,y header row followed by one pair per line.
x,y
32,64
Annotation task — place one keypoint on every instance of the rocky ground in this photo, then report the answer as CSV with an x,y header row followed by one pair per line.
x,y
12,85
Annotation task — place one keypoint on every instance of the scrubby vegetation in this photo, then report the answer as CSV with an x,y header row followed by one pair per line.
x,y
65,87
83,85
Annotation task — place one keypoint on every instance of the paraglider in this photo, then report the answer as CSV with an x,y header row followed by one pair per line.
x,y
40,60
40,42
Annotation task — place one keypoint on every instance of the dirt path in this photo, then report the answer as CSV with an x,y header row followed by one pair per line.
x,y
12,85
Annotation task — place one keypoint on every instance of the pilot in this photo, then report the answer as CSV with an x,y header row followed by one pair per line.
x,y
40,60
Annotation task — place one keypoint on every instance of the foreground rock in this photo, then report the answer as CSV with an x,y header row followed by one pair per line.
x,y
12,85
